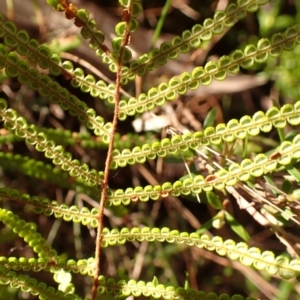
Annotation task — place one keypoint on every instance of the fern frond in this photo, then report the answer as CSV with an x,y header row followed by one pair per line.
x,y
233,130
191,38
14,67
32,286
67,138
41,55
34,168
43,144
52,207
111,286
40,170
157,290
260,165
88,31
82,20
28,232
82,266
281,265
178,85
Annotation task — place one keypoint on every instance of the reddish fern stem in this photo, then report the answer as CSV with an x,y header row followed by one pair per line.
x,y
103,197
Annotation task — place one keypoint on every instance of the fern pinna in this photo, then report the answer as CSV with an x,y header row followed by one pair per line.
x,y
46,166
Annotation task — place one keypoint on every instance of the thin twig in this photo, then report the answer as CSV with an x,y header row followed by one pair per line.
x,y
106,171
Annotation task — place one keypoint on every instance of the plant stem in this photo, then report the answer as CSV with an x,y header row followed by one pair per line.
x,y
103,197
161,21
